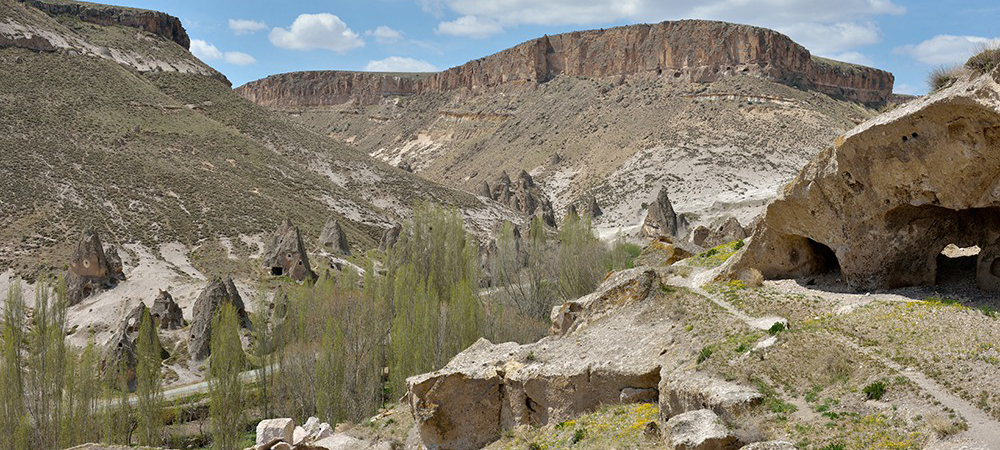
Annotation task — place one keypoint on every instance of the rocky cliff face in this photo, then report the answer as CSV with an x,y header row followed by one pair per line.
x,y
683,51
158,23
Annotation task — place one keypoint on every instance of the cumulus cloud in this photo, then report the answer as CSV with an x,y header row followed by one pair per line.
x,y
316,31
945,49
851,57
385,35
847,23
244,26
400,64
208,52
469,26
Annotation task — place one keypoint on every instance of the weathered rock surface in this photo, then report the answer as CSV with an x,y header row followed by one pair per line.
x,y
661,220
270,429
155,22
216,294
90,269
389,237
333,239
522,196
769,445
682,392
120,357
489,387
882,203
699,430
728,230
285,255
674,51
166,312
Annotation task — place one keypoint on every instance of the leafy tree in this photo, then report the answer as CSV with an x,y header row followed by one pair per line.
x,y
225,388
149,386
12,336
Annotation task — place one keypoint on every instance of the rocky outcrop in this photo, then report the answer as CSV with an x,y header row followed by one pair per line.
x,y
121,352
699,430
216,294
155,22
333,239
661,220
389,237
522,196
285,255
887,198
489,387
166,312
681,392
686,50
728,230
90,269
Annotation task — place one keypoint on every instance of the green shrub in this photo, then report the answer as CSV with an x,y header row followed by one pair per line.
x,y
984,61
778,327
834,447
704,354
578,435
875,390
943,77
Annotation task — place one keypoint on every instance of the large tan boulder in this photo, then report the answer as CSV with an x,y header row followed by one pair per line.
x,y
684,391
270,429
699,430
882,203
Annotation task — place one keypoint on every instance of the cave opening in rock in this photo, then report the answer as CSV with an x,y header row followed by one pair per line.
x,y
956,264
824,257
277,271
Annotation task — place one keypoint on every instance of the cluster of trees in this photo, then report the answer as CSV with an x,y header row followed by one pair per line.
x,y
338,348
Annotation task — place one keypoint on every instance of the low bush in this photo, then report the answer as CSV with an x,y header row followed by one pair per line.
x,y
875,390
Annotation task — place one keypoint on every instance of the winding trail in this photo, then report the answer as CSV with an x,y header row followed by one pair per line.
x,y
983,432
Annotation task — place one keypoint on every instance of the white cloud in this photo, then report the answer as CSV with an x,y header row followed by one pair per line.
x,y
208,52
400,64
244,26
851,57
239,58
385,35
826,39
316,31
469,26
945,49
204,51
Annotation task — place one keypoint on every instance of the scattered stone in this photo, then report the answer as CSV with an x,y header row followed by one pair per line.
x,y
286,255
333,239
390,237
728,231
339,442
405,166
216,294
699,430
661,220
555,159
270,429
90,270
769,445
166,312
690,391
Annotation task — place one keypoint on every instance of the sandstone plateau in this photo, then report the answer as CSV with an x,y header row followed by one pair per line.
x,y
686,50
888,197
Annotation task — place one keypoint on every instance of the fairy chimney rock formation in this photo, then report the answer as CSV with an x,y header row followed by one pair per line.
x,y
166,313
333,239
883,202
121,357
661,220
699,51
522,196
286,254
211,300
90,269
389,237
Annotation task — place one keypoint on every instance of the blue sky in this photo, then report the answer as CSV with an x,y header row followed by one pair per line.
x,y
251,39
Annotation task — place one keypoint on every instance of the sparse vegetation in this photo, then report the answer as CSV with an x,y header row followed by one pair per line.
x,y
875,390
715,256
985,61
942,77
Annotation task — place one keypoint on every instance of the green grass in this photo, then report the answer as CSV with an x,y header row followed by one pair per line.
x,y
617,426
715,256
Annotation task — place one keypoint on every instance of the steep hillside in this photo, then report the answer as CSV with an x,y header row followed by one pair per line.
x,y
106,120
720,114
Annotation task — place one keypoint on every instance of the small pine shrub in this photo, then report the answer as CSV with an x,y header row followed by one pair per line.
x,y
875,390
984,61
578,435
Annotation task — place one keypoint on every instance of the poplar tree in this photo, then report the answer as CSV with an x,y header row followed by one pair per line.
x,y
149,385
225,388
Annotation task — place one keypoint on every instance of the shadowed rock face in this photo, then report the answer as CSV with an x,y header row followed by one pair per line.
x,y
121,354
166,312
661,220
685,50
886,199
91,269
216,294
333,238
286,254
521,196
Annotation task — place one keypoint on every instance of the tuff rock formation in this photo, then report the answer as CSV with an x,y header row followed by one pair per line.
x,y
688,391
882,203
155,22
333,239
286,255
593,209
120,357
672,51
166,312
522,196
661,220
90,269
389,237
699,430
728,231
216,294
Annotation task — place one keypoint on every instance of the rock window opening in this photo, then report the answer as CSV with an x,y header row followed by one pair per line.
x,y
956,264
277,271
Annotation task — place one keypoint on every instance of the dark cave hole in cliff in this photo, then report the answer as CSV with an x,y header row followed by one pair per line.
x,y
825,258
277,271
956,264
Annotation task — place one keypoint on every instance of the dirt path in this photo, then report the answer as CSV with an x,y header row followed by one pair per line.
x,y
983,432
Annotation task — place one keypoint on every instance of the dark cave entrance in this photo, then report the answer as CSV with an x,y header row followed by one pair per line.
x,y
824,258
956,264
277,271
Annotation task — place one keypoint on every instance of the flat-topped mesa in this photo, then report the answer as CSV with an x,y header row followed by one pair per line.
x,y
155,22
686,50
